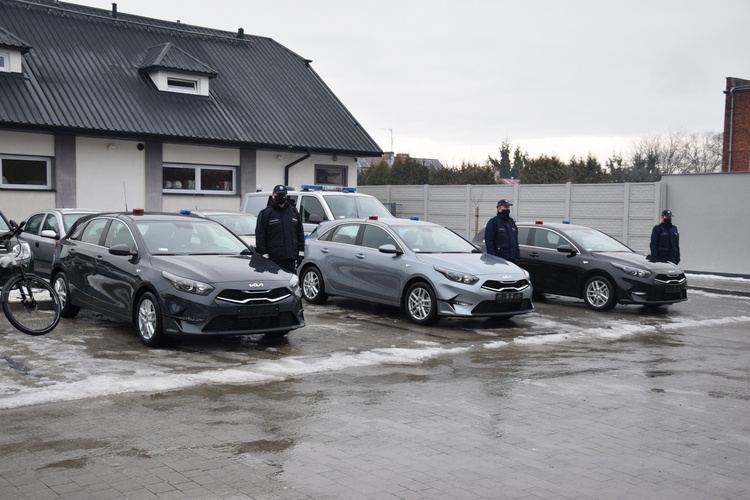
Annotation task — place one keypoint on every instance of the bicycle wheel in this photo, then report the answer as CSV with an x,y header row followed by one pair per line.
x,y
31,305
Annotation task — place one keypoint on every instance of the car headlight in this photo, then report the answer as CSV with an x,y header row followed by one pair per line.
x,y
21,250
467,279
293,282
187,285
633,271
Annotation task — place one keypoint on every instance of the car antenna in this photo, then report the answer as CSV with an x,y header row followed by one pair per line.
x,y
125,191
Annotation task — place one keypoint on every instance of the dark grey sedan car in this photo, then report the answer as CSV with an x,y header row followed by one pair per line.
x,y
425,268
173,275
44,229
578,261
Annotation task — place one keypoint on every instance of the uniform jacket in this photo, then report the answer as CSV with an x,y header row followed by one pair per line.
x,y
279,232
665,243
501,238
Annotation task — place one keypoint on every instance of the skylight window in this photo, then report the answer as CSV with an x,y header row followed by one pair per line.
x,y
4,66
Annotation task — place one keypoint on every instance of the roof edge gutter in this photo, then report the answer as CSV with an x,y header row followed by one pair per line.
x,y
289,166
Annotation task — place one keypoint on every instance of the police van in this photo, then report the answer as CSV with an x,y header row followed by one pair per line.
x,y
318,203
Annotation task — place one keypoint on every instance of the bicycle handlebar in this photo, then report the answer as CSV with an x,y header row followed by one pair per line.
x,y
13,232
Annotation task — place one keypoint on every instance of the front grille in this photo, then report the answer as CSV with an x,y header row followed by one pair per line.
x,y
489,307
505,286
257,296
233,323
670,280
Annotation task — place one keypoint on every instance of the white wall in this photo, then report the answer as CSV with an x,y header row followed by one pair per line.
x,y
18,204
109,179
201,155
110,173
271,168
709,212
20,143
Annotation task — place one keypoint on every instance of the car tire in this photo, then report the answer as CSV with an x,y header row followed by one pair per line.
x,y
599,294
312,286
148,320
61,286
420,304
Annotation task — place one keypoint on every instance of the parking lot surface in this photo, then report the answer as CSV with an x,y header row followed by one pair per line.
x,y
560,403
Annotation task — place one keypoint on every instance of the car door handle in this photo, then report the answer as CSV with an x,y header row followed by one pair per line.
x,y
99,258
533,254
359,255
324,250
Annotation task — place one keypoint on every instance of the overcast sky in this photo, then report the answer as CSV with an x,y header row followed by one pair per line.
x,y
453,79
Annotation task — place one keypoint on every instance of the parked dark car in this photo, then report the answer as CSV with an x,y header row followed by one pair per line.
x,y
172,275
425,268
20,250
44,229
578,261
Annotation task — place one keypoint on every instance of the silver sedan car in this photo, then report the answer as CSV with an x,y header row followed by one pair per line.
x,y
425,268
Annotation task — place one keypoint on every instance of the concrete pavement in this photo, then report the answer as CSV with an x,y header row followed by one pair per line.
x,y
557,404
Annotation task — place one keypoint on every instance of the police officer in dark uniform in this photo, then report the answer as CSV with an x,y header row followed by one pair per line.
x,y
665,240
501,234
279,233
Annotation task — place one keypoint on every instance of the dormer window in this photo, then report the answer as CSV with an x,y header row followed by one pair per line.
x,y
12,50
174,70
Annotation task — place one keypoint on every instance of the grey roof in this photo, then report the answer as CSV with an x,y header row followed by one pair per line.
x,y
84,73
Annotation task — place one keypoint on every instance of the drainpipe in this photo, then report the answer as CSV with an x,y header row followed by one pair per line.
x,y
286,169
731,122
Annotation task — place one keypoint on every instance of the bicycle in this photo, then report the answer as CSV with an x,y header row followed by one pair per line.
x,y
29,302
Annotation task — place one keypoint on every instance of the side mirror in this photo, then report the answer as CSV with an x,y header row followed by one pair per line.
x,y
567,249
390,248
121,249
49,233
315,219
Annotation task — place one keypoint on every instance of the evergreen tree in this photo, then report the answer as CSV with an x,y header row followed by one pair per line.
x,y
544,170
406,170
375,175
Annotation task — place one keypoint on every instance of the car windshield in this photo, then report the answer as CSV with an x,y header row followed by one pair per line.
x,y
595,241
242,224
70,219
433,239
356,207
189,237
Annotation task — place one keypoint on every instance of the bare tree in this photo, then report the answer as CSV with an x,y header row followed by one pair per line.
x,y
703,153
678,152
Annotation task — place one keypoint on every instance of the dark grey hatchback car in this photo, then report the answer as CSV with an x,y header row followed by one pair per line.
x,y
578,261
173,275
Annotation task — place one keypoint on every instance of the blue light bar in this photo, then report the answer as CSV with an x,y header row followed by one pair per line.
x,y
185,211
320,187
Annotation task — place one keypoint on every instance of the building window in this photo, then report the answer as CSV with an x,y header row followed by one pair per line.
x,y
330,175
4,62
25,172
182,85
198,179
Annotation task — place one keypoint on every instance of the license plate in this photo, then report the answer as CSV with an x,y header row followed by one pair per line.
x,y
673,288
508,297
257,311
